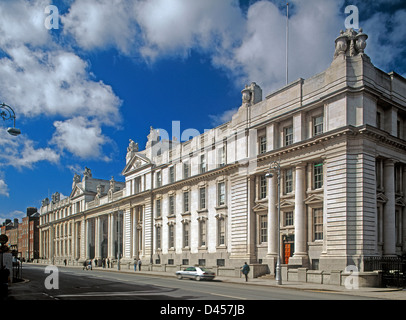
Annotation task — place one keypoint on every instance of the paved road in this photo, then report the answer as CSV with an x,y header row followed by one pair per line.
x,y
78,284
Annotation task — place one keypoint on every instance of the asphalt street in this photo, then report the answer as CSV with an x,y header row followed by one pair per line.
x,y
67,283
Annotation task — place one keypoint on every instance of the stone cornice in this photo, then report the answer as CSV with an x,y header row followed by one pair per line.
x,y
382,136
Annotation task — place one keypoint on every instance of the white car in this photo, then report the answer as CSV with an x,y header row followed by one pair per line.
x,y
197,273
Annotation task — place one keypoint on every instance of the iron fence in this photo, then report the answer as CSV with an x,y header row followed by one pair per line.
x,y
393,269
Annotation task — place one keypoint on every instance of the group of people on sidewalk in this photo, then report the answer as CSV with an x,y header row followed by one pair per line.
x,y
88,264
137,263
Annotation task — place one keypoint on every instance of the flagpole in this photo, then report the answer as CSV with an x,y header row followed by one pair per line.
x,y
287,41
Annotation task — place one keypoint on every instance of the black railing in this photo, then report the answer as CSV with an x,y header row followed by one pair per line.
x,y
393,269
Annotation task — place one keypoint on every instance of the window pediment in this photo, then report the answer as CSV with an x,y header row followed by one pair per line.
x,y
314,199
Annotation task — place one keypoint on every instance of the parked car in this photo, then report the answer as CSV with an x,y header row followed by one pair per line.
x,y
197,273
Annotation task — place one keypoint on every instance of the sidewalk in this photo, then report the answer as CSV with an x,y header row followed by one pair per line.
x,y
378,293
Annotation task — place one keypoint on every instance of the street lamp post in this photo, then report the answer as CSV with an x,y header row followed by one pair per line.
x,y
8,113
275,167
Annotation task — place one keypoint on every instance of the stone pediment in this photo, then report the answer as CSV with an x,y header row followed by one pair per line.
x,y
380,197
287,203
314,199
137,161
400,202
76,191
260,207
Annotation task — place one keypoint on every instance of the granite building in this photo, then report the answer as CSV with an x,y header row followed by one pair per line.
x,y
339,139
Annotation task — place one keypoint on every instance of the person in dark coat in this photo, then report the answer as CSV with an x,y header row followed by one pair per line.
x,y
245,270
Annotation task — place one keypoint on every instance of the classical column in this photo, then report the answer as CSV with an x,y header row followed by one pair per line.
x,y
97,244
133,232
52,244
272,216
82,243
300,254
403,241
389,231
87,239
111,236
73,233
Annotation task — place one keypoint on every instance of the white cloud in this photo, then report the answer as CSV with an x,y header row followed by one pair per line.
x,y
154,28
261,57
21,152
178,26
22,23
386,41
224,117
80,137
4,188
46,78
54,83
247,47
16,214
101,24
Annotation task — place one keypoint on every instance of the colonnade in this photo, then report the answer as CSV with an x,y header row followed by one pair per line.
x,y
300,253
104,236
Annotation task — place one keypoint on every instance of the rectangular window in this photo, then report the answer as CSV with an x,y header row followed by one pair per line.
x,y
221,232
171,236
288,218
137,185
378,120
288,135
202,163
317,125
186,229
158,179
158,208
398,129
221,262
318,175
222,156
202,198
262,144
171,205
263,232
288,180
186,170
158,237
171,174
202,232
378,173
318,223
262,187
186,202
398,178
221,194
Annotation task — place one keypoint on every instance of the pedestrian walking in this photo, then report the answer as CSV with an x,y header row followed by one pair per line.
x,y
245,270
135,264
139,265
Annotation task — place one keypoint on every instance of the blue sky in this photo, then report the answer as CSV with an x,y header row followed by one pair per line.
x,y
115,68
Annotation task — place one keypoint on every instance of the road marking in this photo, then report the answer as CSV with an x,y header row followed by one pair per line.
x,y
116,294
223,295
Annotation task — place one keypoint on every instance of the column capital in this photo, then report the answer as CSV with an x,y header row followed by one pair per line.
x,y
299,164
389,162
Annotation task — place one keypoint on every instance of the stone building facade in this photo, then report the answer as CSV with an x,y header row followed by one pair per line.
x,y
339,139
